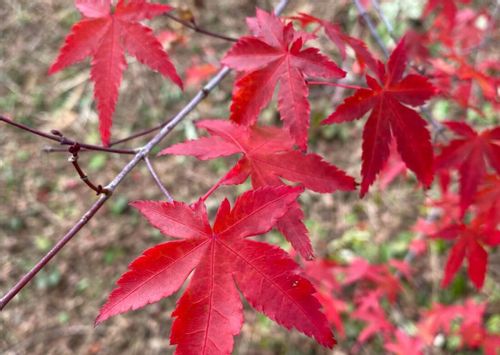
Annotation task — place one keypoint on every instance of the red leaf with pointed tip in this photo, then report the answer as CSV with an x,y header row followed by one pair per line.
x,y
405,345
469,240
267,156
105,36
389,117
270,282
275,56
210,313
469,155
341,40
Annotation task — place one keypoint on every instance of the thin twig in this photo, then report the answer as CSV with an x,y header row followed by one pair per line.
x,y
198,29
73,159
329,83
371,27
56,136
53,252
144,151
140,134
156,178
385,20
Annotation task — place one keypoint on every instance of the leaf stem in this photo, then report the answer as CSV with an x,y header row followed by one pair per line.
x,y
371,27
156,178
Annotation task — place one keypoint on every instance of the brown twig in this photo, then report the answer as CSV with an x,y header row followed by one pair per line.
x,y
73,159
198,29
144,151
57,136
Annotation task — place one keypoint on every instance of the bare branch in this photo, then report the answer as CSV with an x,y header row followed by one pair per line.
x,y
58,137
371,27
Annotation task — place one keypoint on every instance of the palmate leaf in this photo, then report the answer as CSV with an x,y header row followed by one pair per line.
x,y
390,117
267,156
209,313
469,154
274,55
106,36
469,244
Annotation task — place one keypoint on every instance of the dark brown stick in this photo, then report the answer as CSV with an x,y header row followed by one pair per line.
x,y
74,149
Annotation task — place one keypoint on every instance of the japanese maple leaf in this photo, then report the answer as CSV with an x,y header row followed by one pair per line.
x,y
487,200
369,310
389,117
342,40
469,154
469,240
275,55
471,329
321,274
377,277
438,318
105,35
268,155
393,167
448,9
210,313
404,344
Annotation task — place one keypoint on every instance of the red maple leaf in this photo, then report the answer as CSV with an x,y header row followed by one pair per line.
x,y
448,9
487,200
369,310
341,40
268,155
469,240
404,344
275,55
105,36
210,313
321,273
438,318
469,154
389,117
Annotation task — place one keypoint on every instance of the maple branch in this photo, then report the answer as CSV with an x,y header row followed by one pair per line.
x,y
196,28
140,134
142,152
53,252
156,178
385,20
58,137
74,149
371,27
